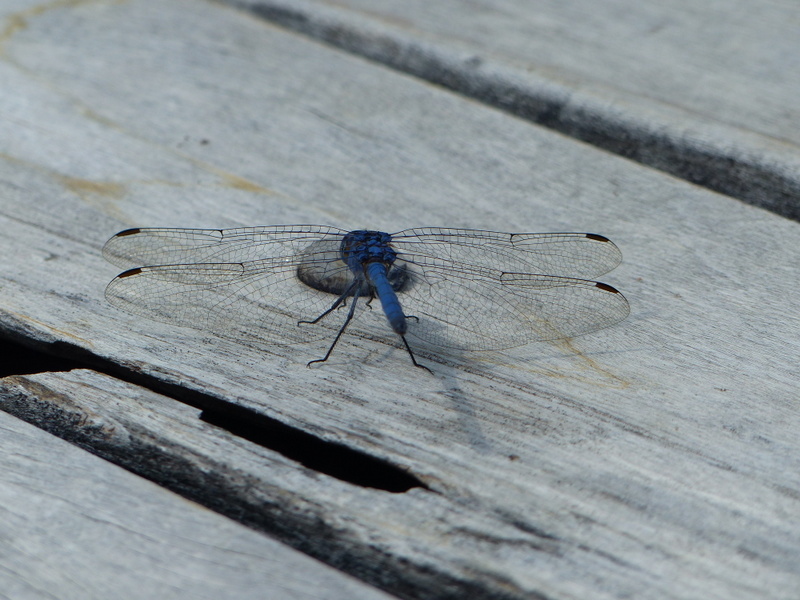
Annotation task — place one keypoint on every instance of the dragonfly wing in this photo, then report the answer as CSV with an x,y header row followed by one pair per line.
x,y
253,301
162,246
485,309
470,289
580,255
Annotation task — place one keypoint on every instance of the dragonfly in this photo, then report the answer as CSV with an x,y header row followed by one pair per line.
x,y
456,289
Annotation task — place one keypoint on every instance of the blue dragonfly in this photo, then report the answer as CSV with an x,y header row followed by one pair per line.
x,y
464,289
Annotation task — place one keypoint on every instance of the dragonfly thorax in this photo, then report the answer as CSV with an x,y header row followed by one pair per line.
x,y
362,247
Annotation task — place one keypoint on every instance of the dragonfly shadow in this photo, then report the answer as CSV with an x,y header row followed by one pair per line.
x,y
469,421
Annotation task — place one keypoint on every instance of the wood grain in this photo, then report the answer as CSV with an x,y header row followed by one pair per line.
x,y
76,526
655,459
689,88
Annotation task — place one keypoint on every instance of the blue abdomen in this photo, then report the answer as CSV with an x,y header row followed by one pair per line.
x,y
376,275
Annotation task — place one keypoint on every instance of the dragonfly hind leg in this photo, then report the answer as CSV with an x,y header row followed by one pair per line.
x,y
411,354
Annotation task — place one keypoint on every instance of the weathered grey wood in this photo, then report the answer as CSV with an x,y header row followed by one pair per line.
x,y
657,459
76,526
702,90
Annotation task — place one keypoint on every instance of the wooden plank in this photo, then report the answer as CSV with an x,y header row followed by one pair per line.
x,y
633,462
75,526
690,88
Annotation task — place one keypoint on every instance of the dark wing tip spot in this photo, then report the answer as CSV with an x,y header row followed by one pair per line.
x,y
133,231
597,237
607,288
130,273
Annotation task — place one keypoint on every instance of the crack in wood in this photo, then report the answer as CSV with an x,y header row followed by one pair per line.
x,y
333,459
329,458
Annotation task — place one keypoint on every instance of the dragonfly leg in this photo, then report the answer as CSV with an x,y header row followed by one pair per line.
x,y
340,301
369,302
341,331
411,354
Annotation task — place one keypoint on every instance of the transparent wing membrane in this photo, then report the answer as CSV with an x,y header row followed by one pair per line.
x,y
468,289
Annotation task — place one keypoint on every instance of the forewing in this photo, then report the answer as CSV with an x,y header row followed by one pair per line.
x,y
484,309
161,246
580,255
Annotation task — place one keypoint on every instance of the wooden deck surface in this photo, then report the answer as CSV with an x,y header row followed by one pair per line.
x,y
76,526
701,90
655,459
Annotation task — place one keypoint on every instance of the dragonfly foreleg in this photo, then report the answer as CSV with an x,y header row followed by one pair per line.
x,y
368,304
